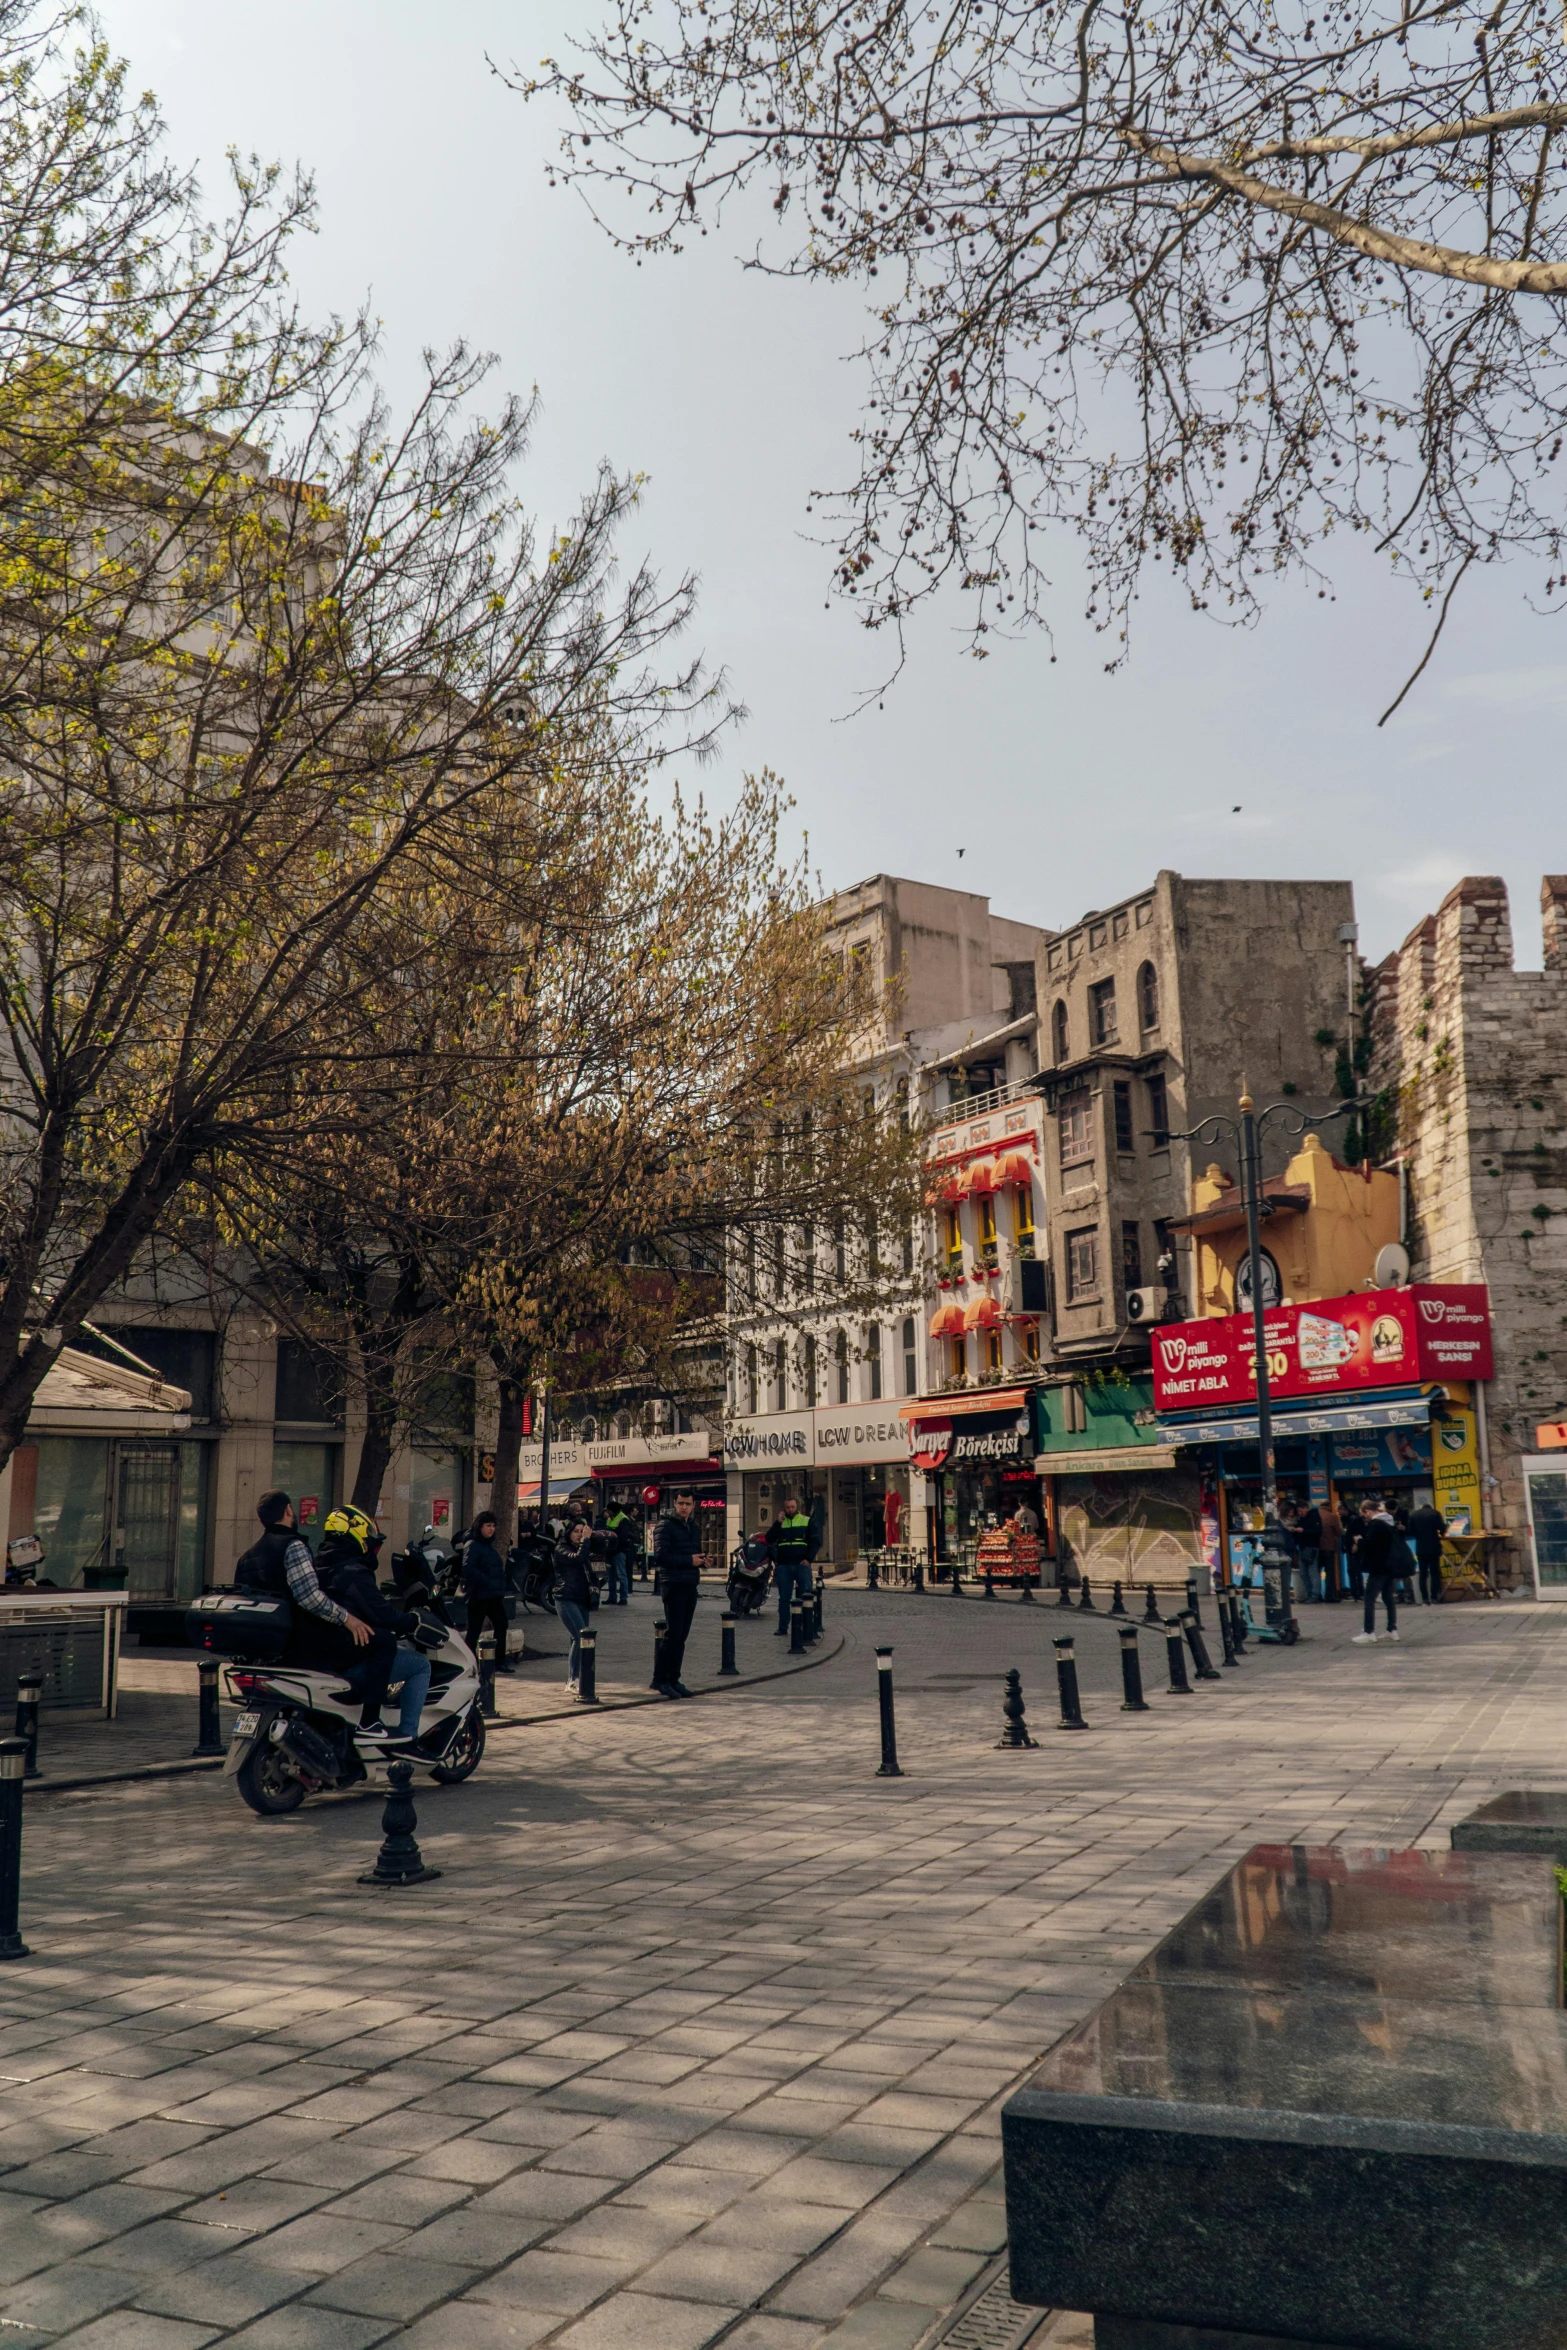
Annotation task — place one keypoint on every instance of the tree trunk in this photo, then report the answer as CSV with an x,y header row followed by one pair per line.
x,y
376,1452
508,1443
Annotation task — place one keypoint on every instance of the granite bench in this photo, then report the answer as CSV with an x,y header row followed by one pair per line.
x,y
1523,1820
1331,2107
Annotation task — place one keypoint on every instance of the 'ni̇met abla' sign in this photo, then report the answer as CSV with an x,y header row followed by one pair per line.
x,y
1333,1346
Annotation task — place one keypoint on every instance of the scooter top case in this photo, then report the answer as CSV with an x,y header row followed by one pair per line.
x,y
244,1625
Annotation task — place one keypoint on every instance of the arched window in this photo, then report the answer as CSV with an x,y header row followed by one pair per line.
x,y
1059,1037
1148,999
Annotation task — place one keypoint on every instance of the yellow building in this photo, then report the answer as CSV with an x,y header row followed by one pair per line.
x,y
1322,1225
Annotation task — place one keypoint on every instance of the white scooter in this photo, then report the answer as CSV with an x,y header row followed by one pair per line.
x,y
297,1731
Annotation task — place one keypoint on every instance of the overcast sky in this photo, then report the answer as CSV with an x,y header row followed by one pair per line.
x,y
1064,788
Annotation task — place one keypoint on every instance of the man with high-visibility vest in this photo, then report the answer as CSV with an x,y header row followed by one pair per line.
x,y
794,1542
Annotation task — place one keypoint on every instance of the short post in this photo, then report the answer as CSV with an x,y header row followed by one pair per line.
x,y
1016,1731
1086,1603
957,1580
1028,1589
1191,1598
990,1584
487,1705
587,1668
209,1731
813,1612
796,1628
1118,1604
1151,1611
29,1697
1198,1646
726,1647
1240,1622
660,1628
13,1761
1065,1599
1132,1698
1179,1685
919,1574
1226,1633
399,1861
889,1728
1066,1676
872,1572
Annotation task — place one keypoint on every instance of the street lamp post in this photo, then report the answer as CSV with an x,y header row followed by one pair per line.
x,y
1246,1132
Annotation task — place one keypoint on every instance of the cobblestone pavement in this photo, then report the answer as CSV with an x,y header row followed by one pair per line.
x,y
703,2033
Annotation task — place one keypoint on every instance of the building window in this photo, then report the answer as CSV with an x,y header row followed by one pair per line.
x,y
840,1251
808,1258
781,1374
959,1367
873,1363
810,1369
908,1248
986,1216
872,1247
1101,1012
1164,1252
1159,1113
753,1401
1123,1116
1132,1256
1082,1266
954,1238
1060,1034
1075,1120
911,1367
1030,1338
775,1253
1148,1000
1023,1219
840,1364
309,1386
992,1346
1074,1411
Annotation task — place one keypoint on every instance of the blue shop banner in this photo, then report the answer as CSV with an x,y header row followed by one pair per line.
x,y
1383,1452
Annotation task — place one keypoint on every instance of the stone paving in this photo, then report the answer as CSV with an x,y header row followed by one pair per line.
x,y
703,2033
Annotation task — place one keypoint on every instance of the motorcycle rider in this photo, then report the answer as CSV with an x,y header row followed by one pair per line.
x,y
323,1636
345,1564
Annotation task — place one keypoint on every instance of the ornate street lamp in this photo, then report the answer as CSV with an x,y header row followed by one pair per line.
x,y
1247,1132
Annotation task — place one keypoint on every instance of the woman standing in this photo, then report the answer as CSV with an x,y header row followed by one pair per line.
x,y
574,1589
484,1587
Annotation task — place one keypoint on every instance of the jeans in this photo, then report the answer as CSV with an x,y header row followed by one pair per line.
x,y
792,1579
575,1620
1381,1586
412,1667
619,1580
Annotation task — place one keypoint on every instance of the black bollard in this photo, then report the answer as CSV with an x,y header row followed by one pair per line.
x,y
889,1728
1016,1731
1198,1646
1028,1589
726,1647
957,1580
796,1629
1066,1676
872,1573
1132,1700
660,1628
399,1861
990,1584
1086,1603
1179,1685
1191,1599
1226,1636
209,1732
1118,1604
13,1761
1065,1599
29,1697
919,1574
1240,1622
587,1668
487,1705
1151,1613
813,1614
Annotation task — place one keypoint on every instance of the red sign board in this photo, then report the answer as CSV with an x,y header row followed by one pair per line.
x,y
1435,1330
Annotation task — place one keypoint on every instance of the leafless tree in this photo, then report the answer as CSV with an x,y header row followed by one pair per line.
x,y
1209,282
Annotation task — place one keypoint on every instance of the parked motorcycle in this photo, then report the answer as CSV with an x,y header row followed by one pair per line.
x,y
748,1583
426,1568
296,1733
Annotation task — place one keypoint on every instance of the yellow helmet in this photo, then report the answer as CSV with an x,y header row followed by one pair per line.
x,y
359,1529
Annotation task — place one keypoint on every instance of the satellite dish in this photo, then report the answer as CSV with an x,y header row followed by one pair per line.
x,y
1391,1270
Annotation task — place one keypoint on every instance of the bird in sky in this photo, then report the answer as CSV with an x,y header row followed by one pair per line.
x,y
1235,811
960,852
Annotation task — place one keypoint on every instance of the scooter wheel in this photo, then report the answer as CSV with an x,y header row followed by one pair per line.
x,y
267,1785
465,1753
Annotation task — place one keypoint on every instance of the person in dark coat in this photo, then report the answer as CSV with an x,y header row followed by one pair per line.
x,y
1379,1569
1425,1533
484,1588
574,1588
677,1573
345,1564
1309,1536
1354,1537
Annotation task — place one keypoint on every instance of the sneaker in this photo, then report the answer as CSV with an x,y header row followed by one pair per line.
x,y
1390,1635
1364,1639
680,1688
377,1734
667,1689
782,1632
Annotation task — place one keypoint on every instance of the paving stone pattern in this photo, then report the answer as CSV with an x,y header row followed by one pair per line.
x,y
703,2034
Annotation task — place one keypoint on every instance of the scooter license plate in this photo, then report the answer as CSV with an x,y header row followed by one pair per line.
x,y
246,1725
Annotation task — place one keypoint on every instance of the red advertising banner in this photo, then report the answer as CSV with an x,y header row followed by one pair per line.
x,y
1435,1330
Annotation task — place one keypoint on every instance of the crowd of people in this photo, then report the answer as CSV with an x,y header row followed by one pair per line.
x,y
1376,1550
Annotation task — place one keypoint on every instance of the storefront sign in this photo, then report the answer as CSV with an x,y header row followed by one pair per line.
x,y
846,1433
1333,1346
624,1453
978,1440
1382,1452
786,1437
1455,1470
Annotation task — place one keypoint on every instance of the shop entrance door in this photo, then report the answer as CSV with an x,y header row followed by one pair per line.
x,y
1546,1489
148,1520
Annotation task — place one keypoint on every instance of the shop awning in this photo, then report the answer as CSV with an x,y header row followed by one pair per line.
x,y
1118,1458
1015,1167
1339,1419
947,1320
983,1313
939,1408
983,1179
82,1395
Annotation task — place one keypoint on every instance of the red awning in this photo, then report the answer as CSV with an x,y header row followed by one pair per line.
x,y
983,1179
1015,1167
982,1313
947,1321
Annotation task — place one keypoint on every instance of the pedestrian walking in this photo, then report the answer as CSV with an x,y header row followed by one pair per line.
x,y
677,1573
1425,1532
484,1588
574,1590
1402,1556
1378,1571
1354,1536
1309,1534
794,1543
1330,1538
617,1554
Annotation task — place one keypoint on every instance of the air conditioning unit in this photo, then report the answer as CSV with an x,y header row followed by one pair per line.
x,y
1146,1305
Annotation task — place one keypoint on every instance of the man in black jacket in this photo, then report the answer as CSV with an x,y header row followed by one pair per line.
x,y
1377,1566
346,1566
677,1571
1425,1532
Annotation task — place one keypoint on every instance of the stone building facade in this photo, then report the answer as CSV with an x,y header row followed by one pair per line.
x,y
1475,1054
